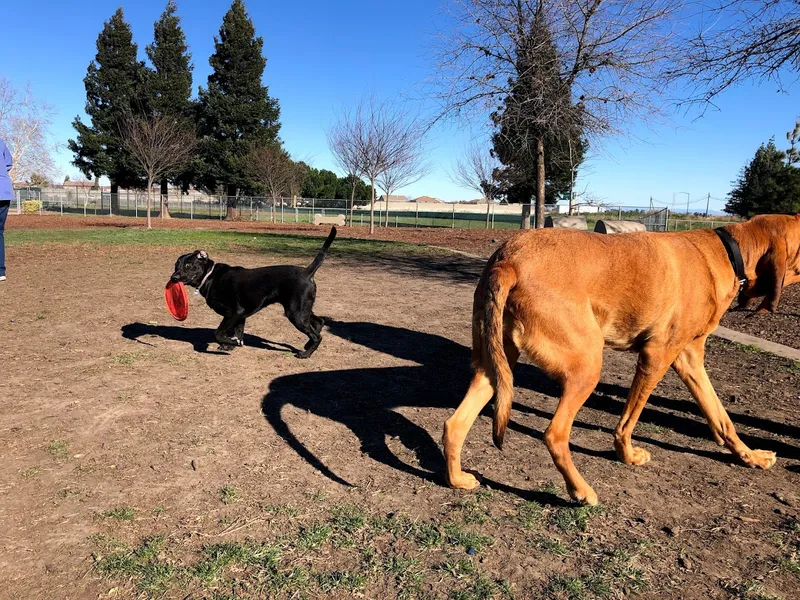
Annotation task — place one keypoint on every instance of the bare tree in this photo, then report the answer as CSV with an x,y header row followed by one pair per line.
x,y
735,40
343,141
272,167
160,146
379,134
610,61
25,126
404,162
477,170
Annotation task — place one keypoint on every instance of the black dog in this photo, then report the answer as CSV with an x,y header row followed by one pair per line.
x,y
236,293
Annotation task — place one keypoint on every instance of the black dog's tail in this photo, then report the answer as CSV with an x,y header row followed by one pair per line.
x,y
312,268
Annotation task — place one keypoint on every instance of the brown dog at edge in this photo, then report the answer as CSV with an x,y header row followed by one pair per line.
x,y
562,295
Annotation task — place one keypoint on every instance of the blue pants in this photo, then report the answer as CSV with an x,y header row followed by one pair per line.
x,y
4,205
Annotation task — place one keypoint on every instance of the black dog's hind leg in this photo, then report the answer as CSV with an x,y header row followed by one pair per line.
x,y
233,322
300,315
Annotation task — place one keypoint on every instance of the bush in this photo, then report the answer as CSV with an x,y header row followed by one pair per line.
x,y
31,206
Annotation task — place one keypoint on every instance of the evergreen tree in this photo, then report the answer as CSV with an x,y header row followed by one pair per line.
x,y
236,112
114,91
766,185
170,81
537,123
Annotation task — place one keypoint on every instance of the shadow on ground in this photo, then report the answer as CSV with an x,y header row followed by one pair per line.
x,y
200,338
364,399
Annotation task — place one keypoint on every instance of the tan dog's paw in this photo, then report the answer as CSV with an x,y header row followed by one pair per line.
x,y
636,456
463,481
759,459
586,497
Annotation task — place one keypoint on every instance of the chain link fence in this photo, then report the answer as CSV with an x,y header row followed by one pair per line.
x,y
133,203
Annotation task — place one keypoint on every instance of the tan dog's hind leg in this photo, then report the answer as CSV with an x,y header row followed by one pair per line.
x,y
650,368
457,426
689,367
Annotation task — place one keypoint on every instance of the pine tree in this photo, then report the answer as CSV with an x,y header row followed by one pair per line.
x,y
114,90
766,185
536,124
170,81
236,112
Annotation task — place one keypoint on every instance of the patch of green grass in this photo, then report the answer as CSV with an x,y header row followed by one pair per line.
x,y
576,587
316,495
790,564
341,580
793,366
119,513
749,348
472,509
651,428
406,573
127,359
228,494
217,557
457,536
144,564
531,515
457,568
272,243
58,449
748,591
30,472
550,545
41,316
348,517
482,588
313,536
571,519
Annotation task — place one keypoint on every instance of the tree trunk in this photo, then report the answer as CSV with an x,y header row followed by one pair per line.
x,y
372,208
114,198
352,201
149,202
164,200
540,183
231,200
488,207
525,220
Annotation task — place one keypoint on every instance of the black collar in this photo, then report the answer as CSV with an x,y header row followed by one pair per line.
x,y
734,254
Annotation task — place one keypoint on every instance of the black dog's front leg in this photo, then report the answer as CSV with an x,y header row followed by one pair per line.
x,y
236,322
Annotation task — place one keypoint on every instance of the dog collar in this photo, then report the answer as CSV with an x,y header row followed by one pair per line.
x,y
202,283
734,254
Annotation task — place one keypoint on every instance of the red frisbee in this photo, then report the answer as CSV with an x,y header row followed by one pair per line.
x,y
177,300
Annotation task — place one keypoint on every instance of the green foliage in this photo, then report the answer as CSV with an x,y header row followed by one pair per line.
x,y
39,180
539,105
114,90
235,111
321,183
766,185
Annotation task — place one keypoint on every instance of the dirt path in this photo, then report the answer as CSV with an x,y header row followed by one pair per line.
x,y
118,426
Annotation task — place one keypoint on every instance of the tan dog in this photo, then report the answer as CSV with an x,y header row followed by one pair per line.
x,y
561,296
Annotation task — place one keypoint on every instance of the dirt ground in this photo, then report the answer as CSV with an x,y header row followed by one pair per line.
x,y
136,461
782,326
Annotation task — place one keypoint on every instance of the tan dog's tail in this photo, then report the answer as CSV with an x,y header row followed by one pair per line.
x,y
502,278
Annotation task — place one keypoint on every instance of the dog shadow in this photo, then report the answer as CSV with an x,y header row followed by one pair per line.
x,y
200,338
364,400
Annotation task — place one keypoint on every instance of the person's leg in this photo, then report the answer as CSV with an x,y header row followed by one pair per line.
x,y
4,205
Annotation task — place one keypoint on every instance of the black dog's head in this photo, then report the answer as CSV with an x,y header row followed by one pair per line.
x,y
191,268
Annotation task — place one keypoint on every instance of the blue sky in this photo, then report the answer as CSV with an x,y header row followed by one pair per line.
x,y
323,55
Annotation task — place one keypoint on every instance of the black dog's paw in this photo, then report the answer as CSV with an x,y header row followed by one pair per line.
x,y
303,354
227,347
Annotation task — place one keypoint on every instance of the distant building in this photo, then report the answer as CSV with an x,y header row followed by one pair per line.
x,y
579,209
427,200
393,198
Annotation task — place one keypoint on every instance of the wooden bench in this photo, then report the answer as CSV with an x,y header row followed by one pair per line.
x,y
329,220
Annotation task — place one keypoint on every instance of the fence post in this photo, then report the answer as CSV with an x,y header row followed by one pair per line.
x,y
416,216
619,214
62,204
282,211
493,208
453,225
